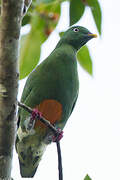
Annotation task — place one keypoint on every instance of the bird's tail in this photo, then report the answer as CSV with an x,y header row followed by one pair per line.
x,y
29,154
27,171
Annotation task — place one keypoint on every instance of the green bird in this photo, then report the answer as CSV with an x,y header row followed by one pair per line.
x,y
52,88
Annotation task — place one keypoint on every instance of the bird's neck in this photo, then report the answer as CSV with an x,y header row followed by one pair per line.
x,y
62,44
66,48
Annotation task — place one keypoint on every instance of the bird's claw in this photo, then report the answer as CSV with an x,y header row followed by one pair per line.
x,y
34,115
38,115
58,135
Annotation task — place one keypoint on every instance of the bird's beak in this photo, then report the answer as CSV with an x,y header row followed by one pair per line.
x,y
92,35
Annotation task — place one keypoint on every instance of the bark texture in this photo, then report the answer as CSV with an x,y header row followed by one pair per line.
x,y
10,23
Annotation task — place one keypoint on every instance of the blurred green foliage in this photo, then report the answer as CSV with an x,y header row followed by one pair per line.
x,y
76,11
87,177
43,16
84,59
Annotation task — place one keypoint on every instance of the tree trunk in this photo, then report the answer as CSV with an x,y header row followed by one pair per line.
x,y
10,23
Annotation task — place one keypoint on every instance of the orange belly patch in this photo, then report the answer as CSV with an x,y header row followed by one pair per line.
x,y
51,110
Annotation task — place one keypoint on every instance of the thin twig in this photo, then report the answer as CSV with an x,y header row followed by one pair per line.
x,y
55,131
59,160
27,4
28,109
42,119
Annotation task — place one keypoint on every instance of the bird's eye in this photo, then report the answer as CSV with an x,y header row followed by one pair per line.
x,y
75,29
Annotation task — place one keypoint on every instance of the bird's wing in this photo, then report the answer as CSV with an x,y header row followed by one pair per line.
x,y
74,104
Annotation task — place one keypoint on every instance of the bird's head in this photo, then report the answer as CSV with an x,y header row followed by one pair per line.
x,y
77,36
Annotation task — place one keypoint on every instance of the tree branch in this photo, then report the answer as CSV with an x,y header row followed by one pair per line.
x,y
43,120
11,11
59,161
27,4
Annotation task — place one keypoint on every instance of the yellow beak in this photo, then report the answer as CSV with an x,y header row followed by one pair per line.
x,y
93,35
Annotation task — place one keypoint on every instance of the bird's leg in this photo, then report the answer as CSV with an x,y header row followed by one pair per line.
x,y
34,115
58,136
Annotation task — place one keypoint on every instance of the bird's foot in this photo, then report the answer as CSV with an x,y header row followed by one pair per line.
x,y
58,135
34,115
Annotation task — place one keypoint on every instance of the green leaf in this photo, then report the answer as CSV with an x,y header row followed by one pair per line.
x,y
30,47
50,13
29,54
26,20
76,11
84,59
96,12
87,177
43,20
61,34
